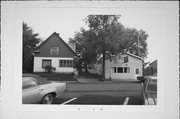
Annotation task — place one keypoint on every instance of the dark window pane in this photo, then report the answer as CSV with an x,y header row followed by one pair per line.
x,y
126,69
46,63
137,70
120,69
114,69
125,59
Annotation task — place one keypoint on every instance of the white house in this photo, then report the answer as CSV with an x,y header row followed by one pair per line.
x,y
56,53
122,66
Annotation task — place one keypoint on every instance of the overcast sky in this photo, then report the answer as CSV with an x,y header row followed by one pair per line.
x,y
66,21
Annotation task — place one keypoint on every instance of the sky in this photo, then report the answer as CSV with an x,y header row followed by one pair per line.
x,y
67,21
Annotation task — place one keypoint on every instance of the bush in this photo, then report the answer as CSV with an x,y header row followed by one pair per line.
x,y
49,69
141,78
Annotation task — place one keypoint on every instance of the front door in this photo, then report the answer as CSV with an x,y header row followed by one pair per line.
x,y
136,72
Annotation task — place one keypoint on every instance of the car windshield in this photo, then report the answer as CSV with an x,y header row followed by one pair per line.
x,y
38,78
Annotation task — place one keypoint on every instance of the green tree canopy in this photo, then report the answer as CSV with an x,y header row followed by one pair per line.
x,y
30,40
107,37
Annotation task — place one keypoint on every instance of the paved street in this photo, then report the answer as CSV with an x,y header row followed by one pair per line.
x,y
102,93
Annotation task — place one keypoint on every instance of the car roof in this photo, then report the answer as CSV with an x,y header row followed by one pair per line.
x,y
30,75
41,80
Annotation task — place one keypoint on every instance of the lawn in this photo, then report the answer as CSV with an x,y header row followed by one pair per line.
x,y
89,75
57,76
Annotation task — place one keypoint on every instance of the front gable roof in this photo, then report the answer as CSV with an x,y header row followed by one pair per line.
x,y
54,40
134,56
122,55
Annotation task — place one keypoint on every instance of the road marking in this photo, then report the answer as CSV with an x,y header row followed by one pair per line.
x,y
126,101
68,101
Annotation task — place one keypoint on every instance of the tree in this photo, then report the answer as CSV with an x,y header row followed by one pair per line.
x,y
30,40
85,47
107,37
101,25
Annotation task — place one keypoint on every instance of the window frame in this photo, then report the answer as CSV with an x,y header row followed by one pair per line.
x,y
66,63
128,71
115,70
120,70
54,51
46,60
138,70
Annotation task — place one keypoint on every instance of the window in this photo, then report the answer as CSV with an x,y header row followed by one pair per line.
x,y
29,83
126,69
114,69
126,59
120,70
46,63
66,63
137,70
54,50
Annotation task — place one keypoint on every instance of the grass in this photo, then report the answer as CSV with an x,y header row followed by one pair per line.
x,y
57,76
89,75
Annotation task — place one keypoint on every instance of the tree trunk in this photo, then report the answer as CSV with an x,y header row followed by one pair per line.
x,y
86,69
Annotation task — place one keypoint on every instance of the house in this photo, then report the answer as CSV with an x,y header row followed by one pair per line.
x,y
56,53
151,69
122,66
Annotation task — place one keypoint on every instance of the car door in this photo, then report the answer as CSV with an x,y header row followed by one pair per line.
x,y
31,91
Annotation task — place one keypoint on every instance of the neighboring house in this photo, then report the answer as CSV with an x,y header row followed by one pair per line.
x,y
56,53
122,66
151,69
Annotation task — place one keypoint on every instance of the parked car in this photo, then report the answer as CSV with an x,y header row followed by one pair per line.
x,y
36,89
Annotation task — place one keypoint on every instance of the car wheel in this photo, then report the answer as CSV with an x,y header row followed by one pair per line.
x,y
48,99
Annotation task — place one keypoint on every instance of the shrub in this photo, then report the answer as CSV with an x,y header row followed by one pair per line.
x,y
49,69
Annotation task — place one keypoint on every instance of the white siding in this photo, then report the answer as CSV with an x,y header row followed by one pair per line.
x,y
132,63
54,63
119,62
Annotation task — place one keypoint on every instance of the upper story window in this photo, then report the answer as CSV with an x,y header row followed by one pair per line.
x,y
54,50
126,59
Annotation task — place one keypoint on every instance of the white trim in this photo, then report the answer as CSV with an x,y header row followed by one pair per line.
x,y
134,55
68,101
61,58
54,63
126,101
